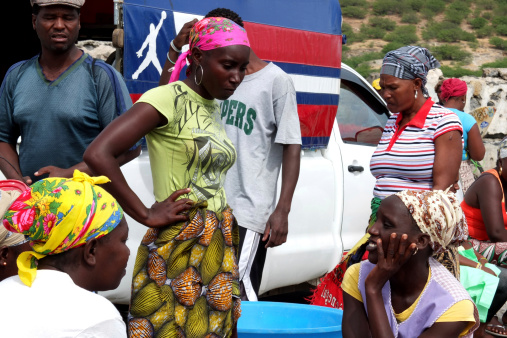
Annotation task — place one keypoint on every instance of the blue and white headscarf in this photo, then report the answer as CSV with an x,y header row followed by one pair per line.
x,y
408,63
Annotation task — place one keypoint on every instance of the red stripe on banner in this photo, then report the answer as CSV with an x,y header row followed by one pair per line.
x,y
316,120
295,46
135,97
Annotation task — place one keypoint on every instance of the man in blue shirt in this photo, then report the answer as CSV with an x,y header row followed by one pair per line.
x,y
58,101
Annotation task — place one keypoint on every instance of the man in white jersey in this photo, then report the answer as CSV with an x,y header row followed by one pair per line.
x,y
261,120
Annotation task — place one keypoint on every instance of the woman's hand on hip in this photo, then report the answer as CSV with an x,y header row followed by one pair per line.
x,y
169,211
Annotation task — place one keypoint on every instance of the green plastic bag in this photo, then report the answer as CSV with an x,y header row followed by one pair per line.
x,y
480,285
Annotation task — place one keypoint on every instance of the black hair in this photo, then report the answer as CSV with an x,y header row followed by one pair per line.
x,y
35,9
225,13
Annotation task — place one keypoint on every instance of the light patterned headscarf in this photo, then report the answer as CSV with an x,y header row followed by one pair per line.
x,y
409,63
210,33
439,215
59,214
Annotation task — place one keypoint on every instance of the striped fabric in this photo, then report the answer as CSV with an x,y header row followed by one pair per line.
x,y
404,157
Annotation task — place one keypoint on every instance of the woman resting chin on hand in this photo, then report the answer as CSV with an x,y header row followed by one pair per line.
x,y
401,291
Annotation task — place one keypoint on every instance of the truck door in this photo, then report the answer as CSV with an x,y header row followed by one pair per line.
x,y
361,117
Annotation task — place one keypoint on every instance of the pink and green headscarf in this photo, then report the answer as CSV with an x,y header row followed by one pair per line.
x,y
208,34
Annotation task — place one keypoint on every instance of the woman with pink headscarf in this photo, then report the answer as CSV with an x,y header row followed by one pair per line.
x,y
453,94
185,279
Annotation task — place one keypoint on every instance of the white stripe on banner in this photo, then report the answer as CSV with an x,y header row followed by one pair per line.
x,y
182,18
315,84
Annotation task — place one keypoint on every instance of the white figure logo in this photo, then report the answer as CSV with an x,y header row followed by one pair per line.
x,y
151,55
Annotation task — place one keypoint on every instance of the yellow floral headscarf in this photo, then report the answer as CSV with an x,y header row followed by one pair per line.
x,y
59,214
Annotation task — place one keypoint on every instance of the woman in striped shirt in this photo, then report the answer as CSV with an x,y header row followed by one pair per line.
x,y
421,146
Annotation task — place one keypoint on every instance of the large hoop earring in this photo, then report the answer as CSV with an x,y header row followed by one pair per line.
x,y
195,75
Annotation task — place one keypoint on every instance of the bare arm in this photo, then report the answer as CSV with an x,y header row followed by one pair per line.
x,y
489,201
463,261
476,147
9,163
355,321
179,41
448,153
444,330
121,134
53,171
277,226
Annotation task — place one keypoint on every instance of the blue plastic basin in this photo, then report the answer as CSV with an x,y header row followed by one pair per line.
x,y
273,319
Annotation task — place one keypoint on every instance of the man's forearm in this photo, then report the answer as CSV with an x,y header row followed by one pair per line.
x,y
290,174
9,161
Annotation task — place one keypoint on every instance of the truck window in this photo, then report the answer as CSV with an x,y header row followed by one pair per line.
x,y
361,116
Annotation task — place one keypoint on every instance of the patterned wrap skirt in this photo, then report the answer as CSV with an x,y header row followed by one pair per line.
x,y
185,281
494,252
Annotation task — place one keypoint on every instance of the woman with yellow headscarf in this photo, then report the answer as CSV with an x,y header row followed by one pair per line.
x,y
77,235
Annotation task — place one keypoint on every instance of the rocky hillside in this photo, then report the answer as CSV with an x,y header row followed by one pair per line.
x,y
464,35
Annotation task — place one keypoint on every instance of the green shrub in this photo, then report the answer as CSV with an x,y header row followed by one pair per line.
x,y
427,14
405,34
382,23
484,32
461,6
454,16
354,12
501,29
386,7
410,17
392,46
473,45
498,43
499,20
502,63
372,32
485,4
355,61
350,34
458,72
487,15
450,52
364,69
467,36
357,3
446,32
435,6
346,28
416,5
478,23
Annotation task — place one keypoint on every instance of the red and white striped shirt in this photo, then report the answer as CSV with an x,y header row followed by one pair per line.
x,y
404,156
